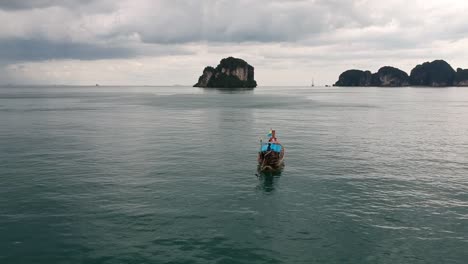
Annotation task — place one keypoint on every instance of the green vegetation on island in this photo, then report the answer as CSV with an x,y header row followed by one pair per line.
x,y
230,73
437,73
354,78
390,77
461,77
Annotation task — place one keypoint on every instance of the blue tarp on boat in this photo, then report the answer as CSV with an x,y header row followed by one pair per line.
x,y
273,146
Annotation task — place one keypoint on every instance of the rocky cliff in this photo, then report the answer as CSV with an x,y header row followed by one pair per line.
x,y
461,77
390,77
386,76
437,73
230,73
354,78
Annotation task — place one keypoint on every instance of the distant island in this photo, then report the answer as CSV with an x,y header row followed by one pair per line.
x,y
437,73
230,73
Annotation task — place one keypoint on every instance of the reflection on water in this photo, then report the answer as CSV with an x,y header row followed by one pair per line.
x,y
228,90
268,179
165,175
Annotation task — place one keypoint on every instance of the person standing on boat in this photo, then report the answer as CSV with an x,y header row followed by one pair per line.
x,y
272,136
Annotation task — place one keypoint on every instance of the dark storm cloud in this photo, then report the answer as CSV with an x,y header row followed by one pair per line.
x,y
34,50
30,4
80,29
38,50
184,21
240,21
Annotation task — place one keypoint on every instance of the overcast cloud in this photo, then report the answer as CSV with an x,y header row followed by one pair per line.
x,y
171,41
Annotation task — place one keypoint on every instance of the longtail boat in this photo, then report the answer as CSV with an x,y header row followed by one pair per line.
x,y
271,153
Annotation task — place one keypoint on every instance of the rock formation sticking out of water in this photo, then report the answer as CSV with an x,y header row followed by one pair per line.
x,y
230,73
437,73
355,78
386,76
461,77
390,77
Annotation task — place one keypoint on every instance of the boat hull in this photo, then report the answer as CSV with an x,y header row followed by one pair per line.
x,y
270,160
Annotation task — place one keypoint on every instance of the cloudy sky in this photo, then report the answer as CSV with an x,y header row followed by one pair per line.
x,y
159,42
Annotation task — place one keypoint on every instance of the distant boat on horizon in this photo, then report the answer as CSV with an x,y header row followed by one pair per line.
x,y
312,84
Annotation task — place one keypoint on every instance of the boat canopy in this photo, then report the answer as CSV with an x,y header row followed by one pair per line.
x,y
271,146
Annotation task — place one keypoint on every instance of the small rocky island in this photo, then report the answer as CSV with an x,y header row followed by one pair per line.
x,y
386,76
230,73
437,73
461,77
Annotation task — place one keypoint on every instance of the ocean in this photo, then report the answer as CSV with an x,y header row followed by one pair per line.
x,y
169,175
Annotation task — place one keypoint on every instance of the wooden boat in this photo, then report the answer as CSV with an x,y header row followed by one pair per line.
x,y
271,154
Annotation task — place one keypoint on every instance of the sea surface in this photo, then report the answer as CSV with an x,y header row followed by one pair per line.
x,y
169,175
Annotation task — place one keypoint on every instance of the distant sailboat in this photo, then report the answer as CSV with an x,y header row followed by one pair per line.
x,y
312,85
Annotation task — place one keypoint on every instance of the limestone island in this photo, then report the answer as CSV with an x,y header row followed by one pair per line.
x,y
230,73
437,73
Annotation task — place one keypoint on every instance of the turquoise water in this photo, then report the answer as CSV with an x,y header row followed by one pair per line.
x,y
168,175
